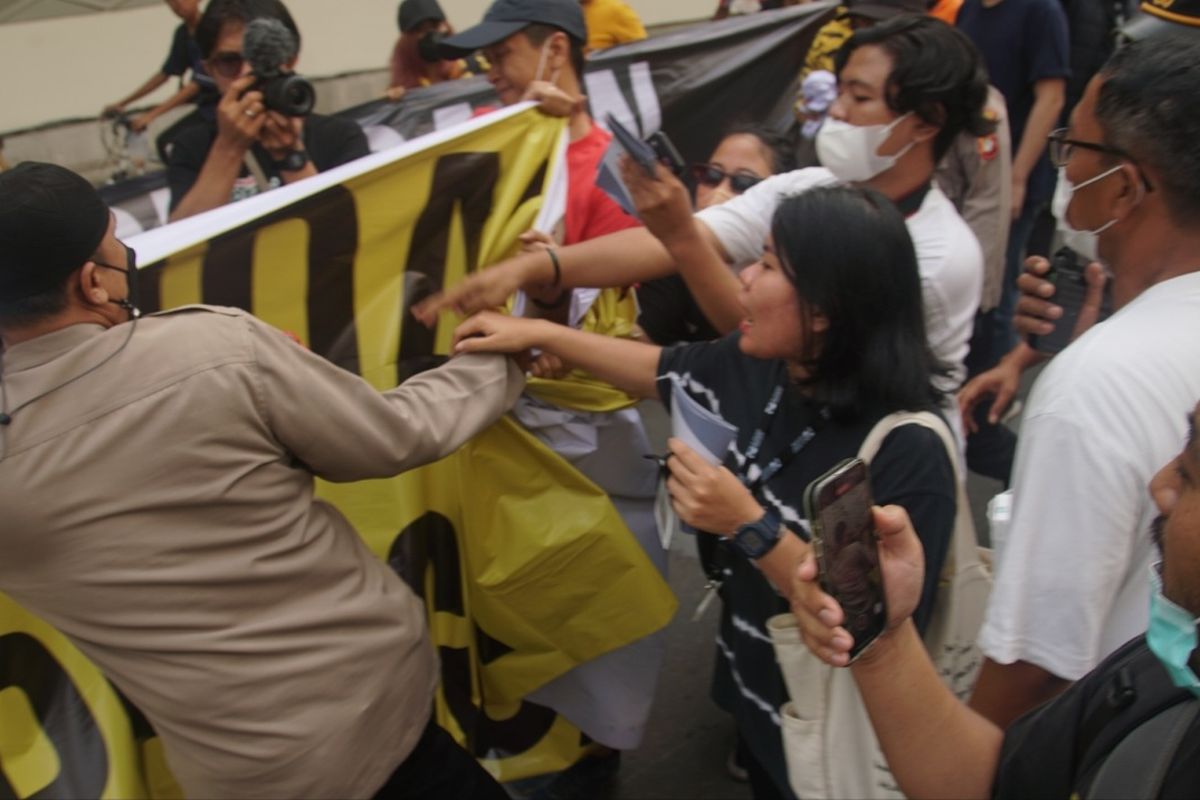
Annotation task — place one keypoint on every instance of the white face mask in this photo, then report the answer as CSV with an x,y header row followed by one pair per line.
x,y
1086,243
851,151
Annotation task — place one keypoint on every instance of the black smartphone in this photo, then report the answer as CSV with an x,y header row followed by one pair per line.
x,y
846,547
1070,290
667,153
638,150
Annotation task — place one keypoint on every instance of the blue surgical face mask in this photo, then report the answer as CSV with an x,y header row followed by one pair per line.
x,y
1172,635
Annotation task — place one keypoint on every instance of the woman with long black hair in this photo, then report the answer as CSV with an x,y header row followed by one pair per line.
x,y
833,340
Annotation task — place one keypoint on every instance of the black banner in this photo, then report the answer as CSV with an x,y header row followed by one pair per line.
x,y
694,83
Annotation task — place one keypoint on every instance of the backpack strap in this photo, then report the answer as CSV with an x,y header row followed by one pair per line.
x,y
1138,765
1121,692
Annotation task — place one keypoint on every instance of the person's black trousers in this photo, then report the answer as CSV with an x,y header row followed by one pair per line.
x,y
438,769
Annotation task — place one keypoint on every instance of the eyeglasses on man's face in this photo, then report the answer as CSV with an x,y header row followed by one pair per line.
x,y
1062,148
130,261
227,64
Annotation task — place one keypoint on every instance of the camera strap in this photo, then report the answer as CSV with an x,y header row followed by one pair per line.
x,y
256,171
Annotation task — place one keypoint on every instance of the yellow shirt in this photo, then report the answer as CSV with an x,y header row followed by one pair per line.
x,y
829,39
611,22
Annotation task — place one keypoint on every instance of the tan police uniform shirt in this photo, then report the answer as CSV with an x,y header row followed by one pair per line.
x,y
976,174
159,511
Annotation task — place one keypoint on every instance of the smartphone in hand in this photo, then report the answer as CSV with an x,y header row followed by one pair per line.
x,y
642,153
846,547
1070,290
668,154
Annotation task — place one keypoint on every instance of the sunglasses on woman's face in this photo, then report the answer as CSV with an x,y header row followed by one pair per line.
x,y
227,64
711,176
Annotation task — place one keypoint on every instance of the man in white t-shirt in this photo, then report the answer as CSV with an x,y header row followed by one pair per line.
x,y
948,255
897,113
1072,579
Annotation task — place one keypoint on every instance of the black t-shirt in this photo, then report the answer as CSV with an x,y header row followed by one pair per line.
x,y
1022,42
1042,750
330,142
911,469
670,314
185,55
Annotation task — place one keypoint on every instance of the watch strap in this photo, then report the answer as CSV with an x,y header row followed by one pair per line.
x,y
293,161
755,539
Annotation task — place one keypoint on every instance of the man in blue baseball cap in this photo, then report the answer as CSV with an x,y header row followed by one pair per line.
x,y
535,51
506,17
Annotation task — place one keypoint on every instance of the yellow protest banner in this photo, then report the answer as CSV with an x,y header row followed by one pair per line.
x,y
526,568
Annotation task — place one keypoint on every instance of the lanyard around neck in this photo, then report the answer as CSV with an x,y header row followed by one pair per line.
x,y
758,438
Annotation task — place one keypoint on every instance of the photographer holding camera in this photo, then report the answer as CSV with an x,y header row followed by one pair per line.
x,y
264,135
415,60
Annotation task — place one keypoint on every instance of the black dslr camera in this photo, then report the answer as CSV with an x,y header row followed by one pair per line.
x,y
428,46
268,45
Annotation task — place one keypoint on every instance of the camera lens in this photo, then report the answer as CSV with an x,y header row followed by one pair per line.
x,y
299,97
290,95
427,46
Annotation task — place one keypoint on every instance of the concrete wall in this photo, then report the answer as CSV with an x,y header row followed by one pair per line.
x,y
67,68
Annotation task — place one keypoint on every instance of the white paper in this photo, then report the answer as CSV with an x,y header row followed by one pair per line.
x,y
703,431
609,180
699,428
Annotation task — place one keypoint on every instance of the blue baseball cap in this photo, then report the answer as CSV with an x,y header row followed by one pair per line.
x,y
506,17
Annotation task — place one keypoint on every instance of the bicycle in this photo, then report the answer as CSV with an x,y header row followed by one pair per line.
x,y
128,150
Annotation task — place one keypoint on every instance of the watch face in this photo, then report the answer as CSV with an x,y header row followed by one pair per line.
x,y
752,541
294,161
756,539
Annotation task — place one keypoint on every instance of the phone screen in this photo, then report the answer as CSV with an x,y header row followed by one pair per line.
x,y
847,550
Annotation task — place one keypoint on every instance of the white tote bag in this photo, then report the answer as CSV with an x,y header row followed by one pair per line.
x,y
830,745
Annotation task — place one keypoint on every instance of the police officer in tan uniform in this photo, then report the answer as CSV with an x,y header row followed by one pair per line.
x,y
156,480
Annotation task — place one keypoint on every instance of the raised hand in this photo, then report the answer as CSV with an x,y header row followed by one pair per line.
x,y
708,497
490,332
280,134
240,116
552,100
662,202
1001,383
1037,314
483,291
902,561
